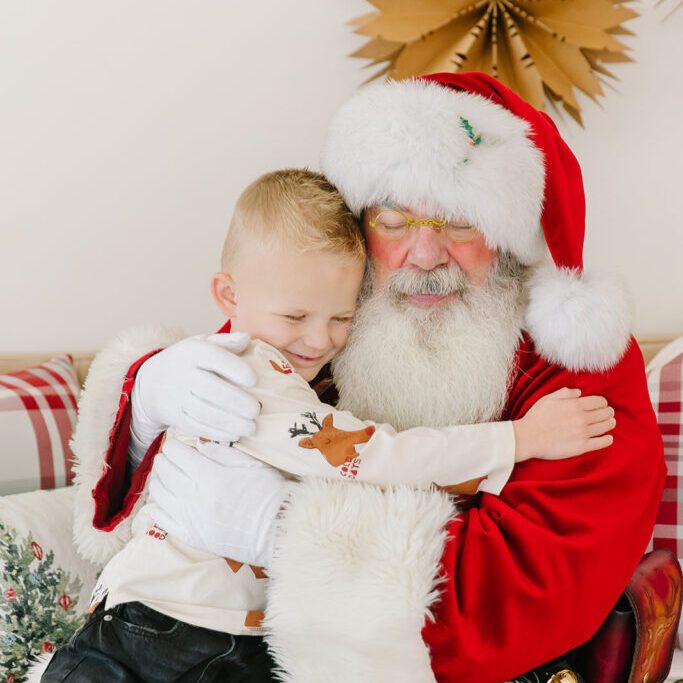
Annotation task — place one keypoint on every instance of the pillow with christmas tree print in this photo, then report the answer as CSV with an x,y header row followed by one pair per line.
x,y
44,585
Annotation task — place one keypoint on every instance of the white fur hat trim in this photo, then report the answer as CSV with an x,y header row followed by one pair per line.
x,y
404,142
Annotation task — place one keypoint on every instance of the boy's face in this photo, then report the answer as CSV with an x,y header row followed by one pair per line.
x,y
300,303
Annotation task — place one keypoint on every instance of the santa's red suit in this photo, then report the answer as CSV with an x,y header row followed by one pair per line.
x,y
371,585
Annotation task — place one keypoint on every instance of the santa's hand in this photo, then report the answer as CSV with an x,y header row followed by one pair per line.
x,y
217,499
196,387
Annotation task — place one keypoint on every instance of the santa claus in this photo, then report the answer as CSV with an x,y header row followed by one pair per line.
x,y
402,585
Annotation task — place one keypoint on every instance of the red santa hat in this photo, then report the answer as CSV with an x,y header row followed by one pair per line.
x,y
465,146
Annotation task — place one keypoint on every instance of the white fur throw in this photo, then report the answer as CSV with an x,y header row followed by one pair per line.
x,y
354,574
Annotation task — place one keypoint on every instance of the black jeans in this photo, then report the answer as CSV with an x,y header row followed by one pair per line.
x,y
132,643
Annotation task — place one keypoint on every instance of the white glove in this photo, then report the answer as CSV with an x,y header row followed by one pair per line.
x,y
194,386
217,499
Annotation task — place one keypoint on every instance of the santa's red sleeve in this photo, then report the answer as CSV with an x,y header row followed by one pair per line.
x,y
511,583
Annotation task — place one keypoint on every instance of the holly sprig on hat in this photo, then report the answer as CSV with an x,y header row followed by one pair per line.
x,y
474,139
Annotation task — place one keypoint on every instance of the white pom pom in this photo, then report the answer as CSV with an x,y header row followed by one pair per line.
x,y
578,320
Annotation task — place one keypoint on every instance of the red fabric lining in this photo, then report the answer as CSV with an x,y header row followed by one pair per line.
x,y
111,505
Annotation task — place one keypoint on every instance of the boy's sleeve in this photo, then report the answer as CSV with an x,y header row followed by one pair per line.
x,y
300,435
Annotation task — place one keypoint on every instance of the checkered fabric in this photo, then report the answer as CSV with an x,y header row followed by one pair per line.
x,y
37,416
665,383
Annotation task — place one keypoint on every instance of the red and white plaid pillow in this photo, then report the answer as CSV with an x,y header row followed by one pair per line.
x,y
665,383
37,416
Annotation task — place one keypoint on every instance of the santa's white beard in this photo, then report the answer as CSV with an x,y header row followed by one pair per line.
x,y
451,363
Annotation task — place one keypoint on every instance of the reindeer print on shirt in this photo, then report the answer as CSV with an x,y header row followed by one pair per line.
x,y
336,445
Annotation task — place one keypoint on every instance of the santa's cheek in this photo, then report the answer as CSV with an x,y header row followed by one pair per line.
x,y
475,258
387,256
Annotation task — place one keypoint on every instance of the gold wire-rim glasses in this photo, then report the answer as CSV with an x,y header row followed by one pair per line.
x,y
456,233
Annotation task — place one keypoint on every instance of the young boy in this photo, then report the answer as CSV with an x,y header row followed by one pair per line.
x,y
291,272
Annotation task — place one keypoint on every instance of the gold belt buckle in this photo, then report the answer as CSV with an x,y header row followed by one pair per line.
x,y
564,676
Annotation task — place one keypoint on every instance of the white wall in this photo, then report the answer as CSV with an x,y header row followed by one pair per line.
x,y
631,153
128,128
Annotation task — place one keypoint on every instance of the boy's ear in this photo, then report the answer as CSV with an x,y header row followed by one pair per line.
x,y
223,290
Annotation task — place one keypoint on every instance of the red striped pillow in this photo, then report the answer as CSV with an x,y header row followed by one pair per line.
x,y
665,383
37,416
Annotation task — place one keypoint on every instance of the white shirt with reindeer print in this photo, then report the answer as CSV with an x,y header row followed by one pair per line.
x,y
301,436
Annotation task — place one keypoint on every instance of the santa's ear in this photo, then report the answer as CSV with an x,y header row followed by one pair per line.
x,y
327,421
306,443
223,290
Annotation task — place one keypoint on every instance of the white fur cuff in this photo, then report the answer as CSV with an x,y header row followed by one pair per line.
x,y
354,573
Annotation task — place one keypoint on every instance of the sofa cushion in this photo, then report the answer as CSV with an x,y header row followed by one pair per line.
x,y
44,585
37,415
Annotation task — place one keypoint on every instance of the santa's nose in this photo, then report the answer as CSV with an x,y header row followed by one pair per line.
x,y
428,248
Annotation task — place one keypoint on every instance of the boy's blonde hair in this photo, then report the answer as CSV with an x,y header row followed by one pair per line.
x,y
293,206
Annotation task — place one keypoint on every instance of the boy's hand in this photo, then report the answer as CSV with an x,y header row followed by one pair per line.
x,y
196,387
563,424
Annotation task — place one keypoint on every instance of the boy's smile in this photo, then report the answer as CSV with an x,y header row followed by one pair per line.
x,y
302,303
305,360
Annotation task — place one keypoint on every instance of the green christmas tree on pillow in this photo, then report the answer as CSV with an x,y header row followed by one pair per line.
x,y
37,603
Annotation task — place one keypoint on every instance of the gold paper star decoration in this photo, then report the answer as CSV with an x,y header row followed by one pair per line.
x,y
671,11
542,49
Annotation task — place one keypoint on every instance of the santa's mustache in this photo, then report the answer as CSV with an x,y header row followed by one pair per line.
x,y
440,281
